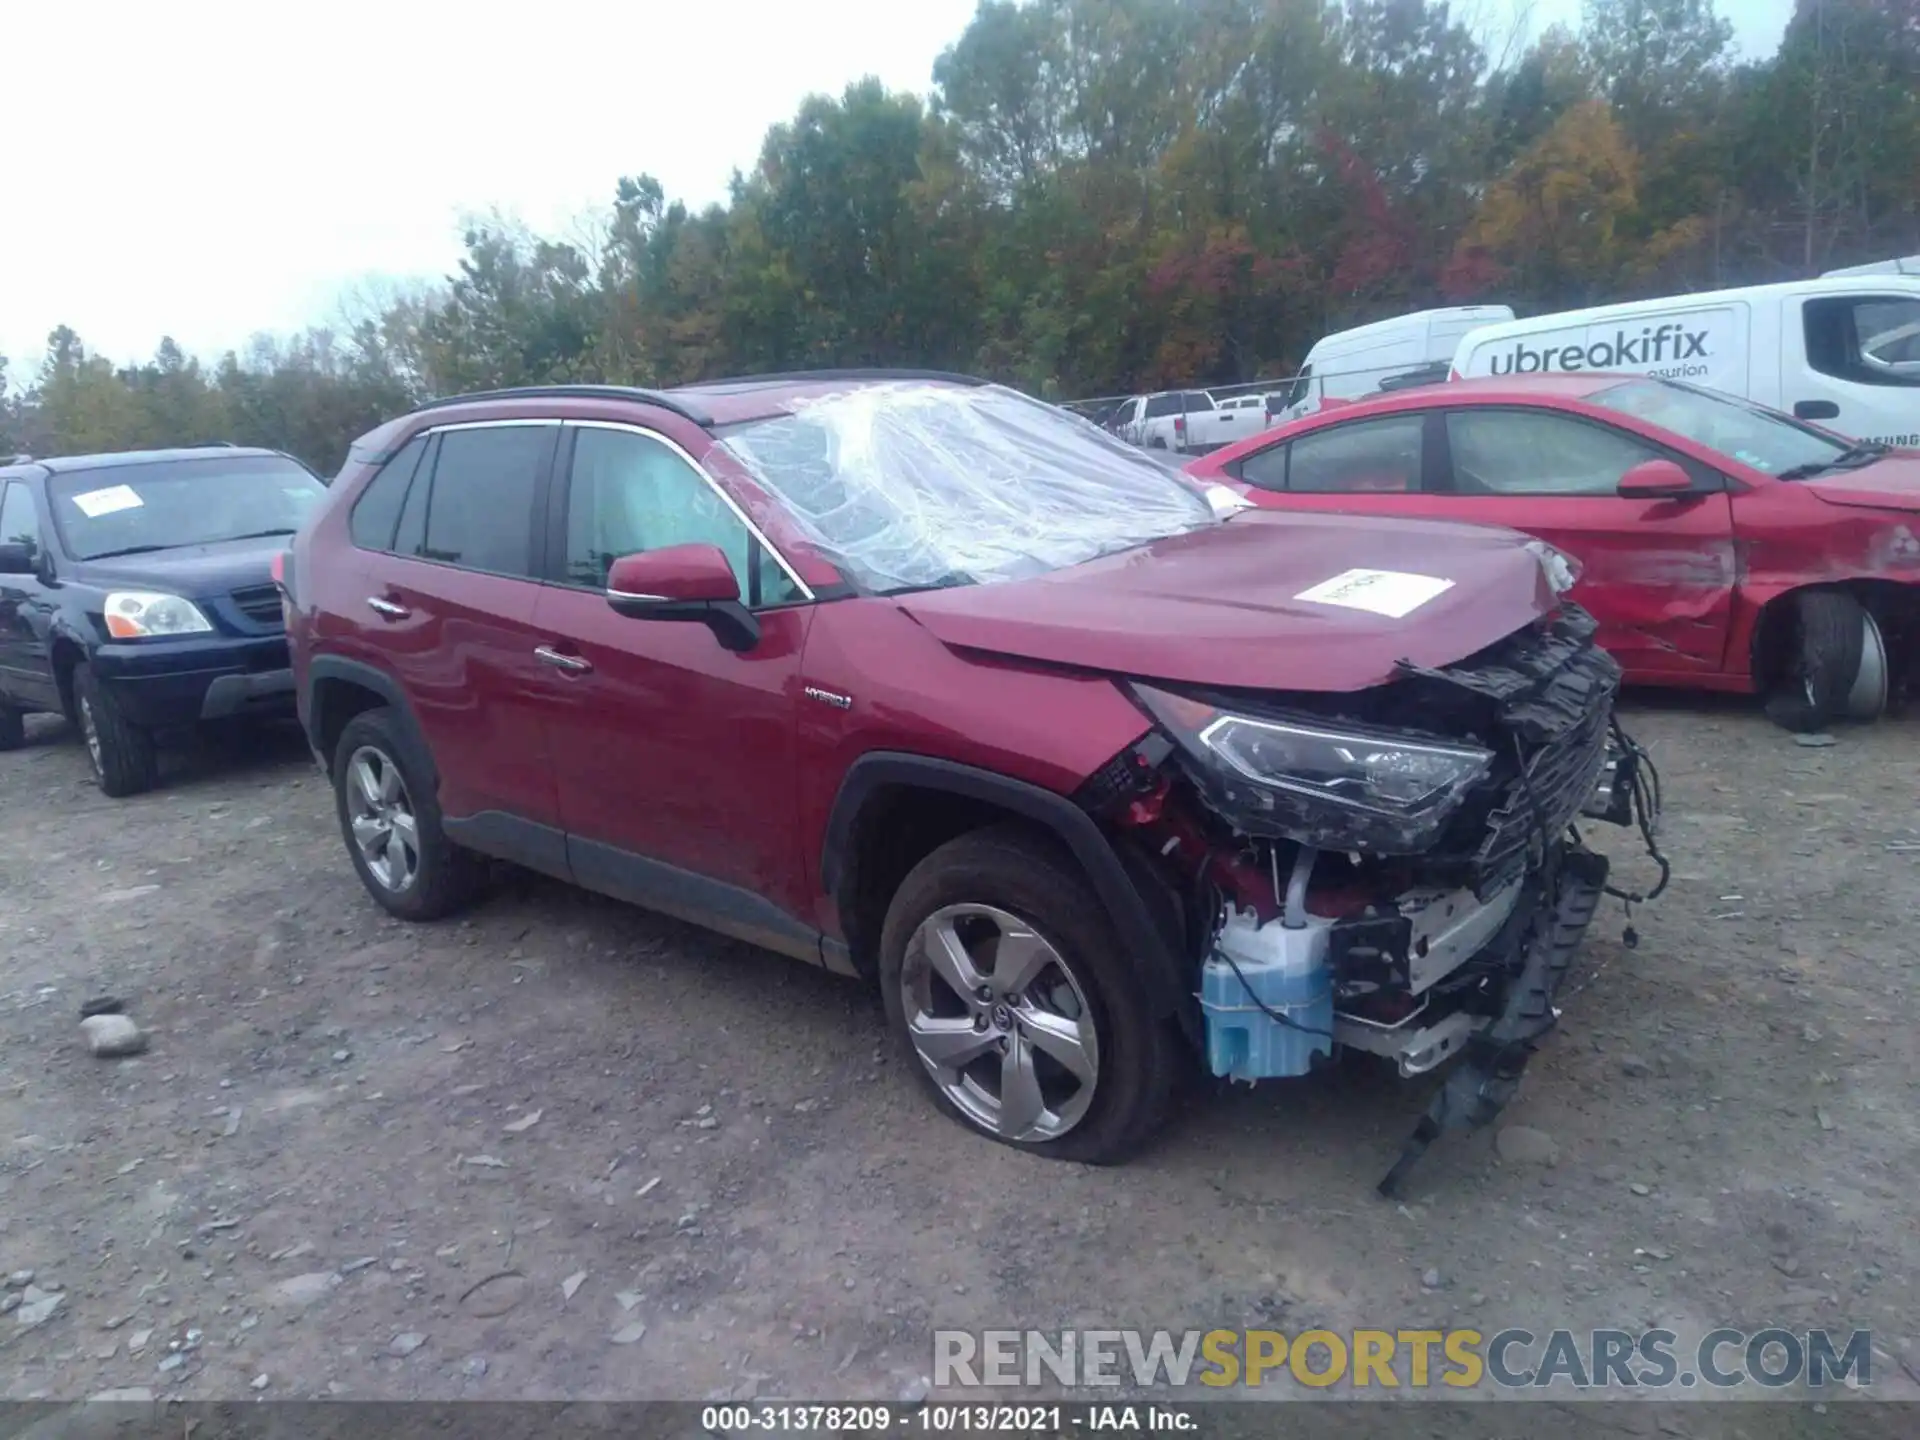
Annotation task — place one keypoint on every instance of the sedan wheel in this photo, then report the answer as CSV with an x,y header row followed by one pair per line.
x,y
1001,1023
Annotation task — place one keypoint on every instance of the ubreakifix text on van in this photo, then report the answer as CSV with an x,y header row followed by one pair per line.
x,y
1670,351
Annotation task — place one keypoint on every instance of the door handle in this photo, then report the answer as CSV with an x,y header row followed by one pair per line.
x,y
1815,410
572,664
387,609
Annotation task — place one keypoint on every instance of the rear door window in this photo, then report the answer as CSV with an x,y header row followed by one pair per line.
x,y
1369,457
480,509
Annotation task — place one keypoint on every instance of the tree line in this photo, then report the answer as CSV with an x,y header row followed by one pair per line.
x,y
1106,195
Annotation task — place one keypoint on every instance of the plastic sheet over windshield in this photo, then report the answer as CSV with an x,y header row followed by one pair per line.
x,y
914,486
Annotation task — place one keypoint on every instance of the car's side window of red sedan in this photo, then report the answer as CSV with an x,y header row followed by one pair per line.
x,y
1369,457
1530,452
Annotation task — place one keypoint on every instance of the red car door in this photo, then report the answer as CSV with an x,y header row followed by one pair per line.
x,y
675,756
448,611
1658,574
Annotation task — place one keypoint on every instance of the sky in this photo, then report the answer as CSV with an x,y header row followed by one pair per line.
x,y
209,170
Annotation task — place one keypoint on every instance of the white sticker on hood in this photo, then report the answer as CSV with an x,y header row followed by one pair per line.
x,y
1393,593
95,503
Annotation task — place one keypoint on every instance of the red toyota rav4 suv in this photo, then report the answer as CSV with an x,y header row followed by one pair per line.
x,y
931,684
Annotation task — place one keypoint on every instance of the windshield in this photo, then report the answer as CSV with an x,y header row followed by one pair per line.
x,y
168,503
915,486
1768,442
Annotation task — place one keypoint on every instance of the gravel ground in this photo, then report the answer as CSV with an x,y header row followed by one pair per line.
x,y
569,1149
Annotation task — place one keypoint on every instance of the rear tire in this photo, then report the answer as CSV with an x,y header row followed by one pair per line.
x,y
390,819
1824,639
124,758
13,727
1103,1069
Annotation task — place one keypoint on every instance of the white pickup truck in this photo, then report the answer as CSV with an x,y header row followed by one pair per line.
x,y
1190,422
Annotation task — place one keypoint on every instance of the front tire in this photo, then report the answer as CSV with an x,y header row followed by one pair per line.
x,y
1015,1004
1826,640
390,820
123,756
13,727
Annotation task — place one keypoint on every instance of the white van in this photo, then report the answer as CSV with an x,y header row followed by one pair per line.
x,y
1843,351
1350,364
1899,265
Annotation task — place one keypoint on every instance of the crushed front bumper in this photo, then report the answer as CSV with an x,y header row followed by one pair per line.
x,y
1546,926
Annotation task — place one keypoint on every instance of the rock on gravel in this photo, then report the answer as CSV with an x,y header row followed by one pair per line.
x,y
406,1343
36,1306
19,1279
495,1295
305,1289
1520,1145
629,1334
112,1036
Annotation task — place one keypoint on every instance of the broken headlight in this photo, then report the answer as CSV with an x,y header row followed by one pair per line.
x,y
1333,787
1562,570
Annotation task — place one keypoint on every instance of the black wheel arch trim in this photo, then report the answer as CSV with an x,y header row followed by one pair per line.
x,y
1155,962
367,677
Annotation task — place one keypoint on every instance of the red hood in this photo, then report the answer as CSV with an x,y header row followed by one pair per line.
x,y
1892,483
1221,606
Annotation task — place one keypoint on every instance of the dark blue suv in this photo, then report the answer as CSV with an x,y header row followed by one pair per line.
x,y
137,595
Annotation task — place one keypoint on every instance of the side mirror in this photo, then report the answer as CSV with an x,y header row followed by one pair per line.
x,y
1655,480
684,582
17,559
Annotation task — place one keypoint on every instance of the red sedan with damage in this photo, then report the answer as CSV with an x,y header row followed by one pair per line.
x,y
1721,545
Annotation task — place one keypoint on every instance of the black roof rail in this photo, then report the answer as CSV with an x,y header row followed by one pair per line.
x,y
875,373
577,392
1434,372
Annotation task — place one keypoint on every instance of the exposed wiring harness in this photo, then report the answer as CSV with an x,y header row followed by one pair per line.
x,y
1644,794
1644,800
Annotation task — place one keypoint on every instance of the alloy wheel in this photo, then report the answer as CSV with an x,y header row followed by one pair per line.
x,y
1001,1022
380,814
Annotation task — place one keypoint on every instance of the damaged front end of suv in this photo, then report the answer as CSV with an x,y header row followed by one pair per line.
x,y
1396,870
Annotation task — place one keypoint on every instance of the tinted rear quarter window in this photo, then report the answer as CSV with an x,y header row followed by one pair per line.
x,y
480,509
377,512
411,537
